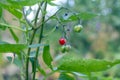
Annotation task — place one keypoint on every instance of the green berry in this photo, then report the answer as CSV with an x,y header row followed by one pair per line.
x,y
63,50
67,48
78,28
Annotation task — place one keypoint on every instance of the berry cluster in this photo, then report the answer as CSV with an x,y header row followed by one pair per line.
x,y
62,41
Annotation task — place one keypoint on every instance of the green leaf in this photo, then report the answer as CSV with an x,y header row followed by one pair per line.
x,y
15,48
86,16
66,76
52,4
6,3
46,56
82,16
36,45
32,60
76,64
2,25
16,12
24,2
41,70
0,11
14,35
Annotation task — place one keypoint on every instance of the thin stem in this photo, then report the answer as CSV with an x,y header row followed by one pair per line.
x,y
28,54
54,14
25,16
37,13
40,39
50,17
29,49
71,12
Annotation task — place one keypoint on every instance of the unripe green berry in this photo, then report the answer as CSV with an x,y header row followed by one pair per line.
x,y
78,28
67,48
63,50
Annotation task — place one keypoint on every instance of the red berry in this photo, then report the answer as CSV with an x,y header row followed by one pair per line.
x,y
62,41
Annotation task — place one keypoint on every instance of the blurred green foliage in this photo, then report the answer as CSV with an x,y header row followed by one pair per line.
x,y
100,37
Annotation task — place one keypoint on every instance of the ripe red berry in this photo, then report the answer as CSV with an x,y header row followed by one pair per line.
x,y
62,41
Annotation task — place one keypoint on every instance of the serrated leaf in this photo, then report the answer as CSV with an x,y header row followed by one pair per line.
x,y
15,48
66,76
47,56
76,64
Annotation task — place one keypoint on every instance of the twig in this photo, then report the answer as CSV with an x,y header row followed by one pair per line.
x,y
40,39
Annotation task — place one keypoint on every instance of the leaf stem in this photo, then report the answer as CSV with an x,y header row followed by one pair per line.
x,y
37,13
40,39
29,49
28,54
50,17
25,16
